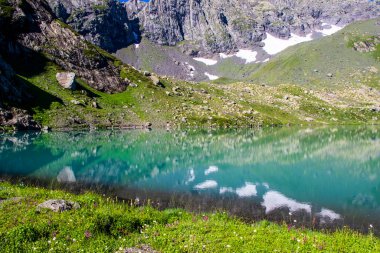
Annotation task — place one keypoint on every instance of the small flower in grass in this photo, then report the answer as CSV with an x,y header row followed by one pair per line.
x,y
289,227
228,246
205,218
370,226
87,234
49,241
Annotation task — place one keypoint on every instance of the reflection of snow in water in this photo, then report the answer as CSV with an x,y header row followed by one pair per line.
x,y
223,190
211,169
208,184
249,190
247,55
208,62
326,213
66,175
191,176
211,77
274,200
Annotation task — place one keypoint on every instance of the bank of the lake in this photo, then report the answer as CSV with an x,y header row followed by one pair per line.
x,y
103,224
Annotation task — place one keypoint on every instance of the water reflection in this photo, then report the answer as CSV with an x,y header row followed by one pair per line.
x,y
316,176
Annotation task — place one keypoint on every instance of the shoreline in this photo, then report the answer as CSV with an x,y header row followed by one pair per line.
x,y
106,225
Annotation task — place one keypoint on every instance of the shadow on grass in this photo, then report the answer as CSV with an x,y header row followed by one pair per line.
x,y
37,97
81,87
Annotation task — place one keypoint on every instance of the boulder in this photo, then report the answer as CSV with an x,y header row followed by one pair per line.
x,y
156,81
66,80
58,205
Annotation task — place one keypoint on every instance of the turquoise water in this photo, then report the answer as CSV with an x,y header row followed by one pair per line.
x,y
316,176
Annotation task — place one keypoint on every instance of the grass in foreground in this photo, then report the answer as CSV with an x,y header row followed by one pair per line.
x,y
104,225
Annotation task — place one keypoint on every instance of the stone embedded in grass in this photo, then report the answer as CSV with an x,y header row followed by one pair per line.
x,y
156,81
66,80
58,205
142,249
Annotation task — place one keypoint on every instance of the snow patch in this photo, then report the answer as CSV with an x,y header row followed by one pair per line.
x,y
274,200
275,45
247,55
249,190
225,56
208,62
211,169
137,45
329,31
211,77
208,184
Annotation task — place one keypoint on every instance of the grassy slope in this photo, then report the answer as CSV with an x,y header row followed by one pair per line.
x,y
103,225
207,104
202,104
332,54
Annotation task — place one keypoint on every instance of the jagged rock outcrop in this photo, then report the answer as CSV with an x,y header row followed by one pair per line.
x,y
221,26
102,22
34,29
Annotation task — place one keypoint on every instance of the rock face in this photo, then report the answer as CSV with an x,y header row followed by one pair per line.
x,y
368,45
66,80
58,205
17,118
32,30
104,23
221,26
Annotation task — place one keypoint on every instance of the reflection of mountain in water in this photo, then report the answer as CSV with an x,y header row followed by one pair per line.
x,y
330,173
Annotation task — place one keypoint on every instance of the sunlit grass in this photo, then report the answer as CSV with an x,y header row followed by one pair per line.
x,y
105,225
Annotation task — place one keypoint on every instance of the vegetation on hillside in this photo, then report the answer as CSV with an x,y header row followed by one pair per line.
x,y
104,224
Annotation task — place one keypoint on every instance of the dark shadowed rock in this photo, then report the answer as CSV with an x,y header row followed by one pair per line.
x,y
104,23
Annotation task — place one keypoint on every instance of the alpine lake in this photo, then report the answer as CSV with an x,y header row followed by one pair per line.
x,y
320,177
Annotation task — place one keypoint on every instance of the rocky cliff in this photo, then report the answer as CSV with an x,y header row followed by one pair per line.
x,y
102,22
33,29
221,26
31,36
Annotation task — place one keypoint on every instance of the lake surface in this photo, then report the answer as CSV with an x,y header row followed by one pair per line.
x,y
315,177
